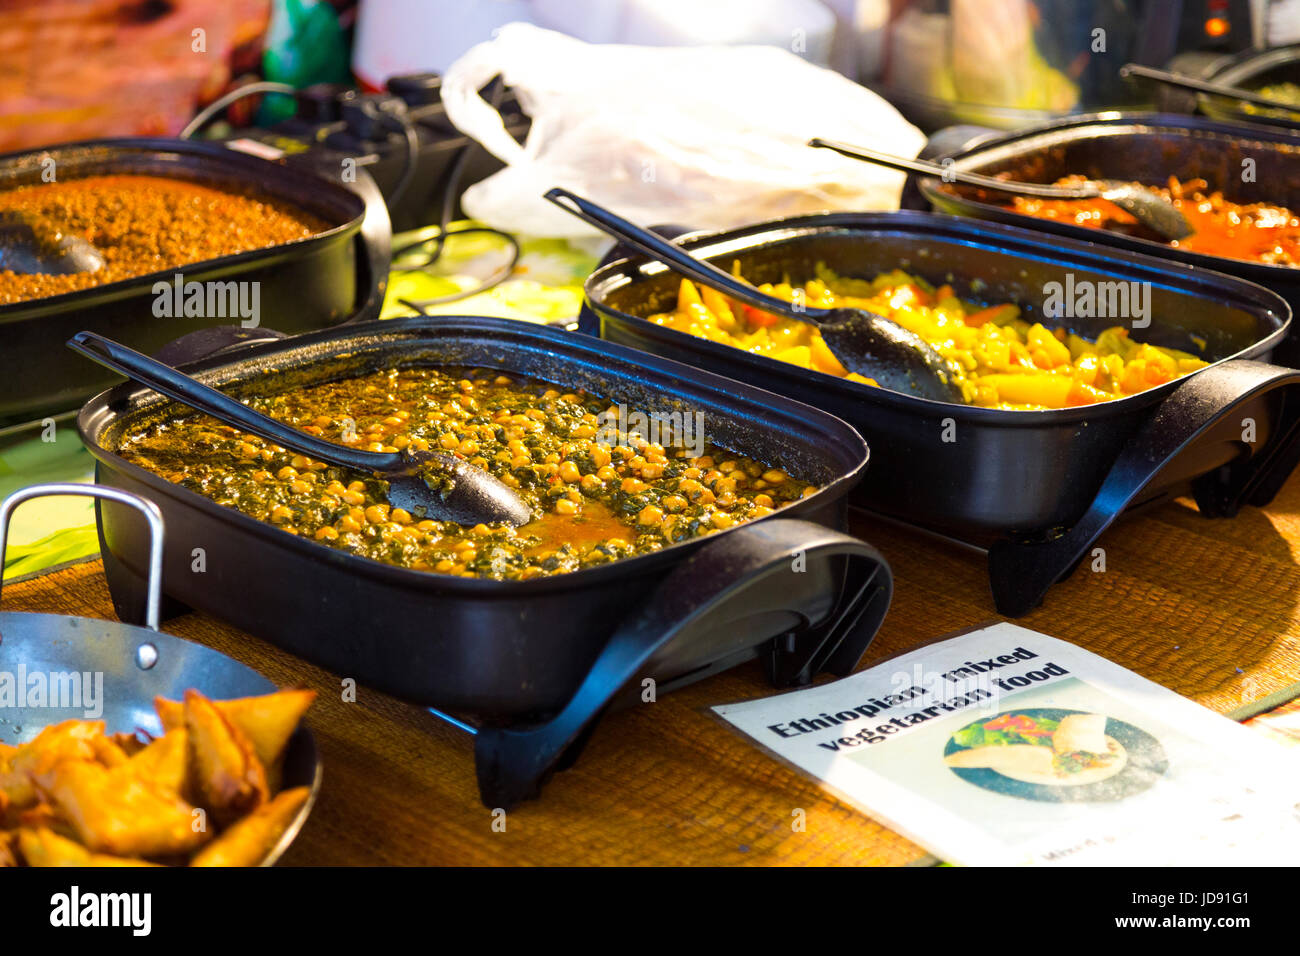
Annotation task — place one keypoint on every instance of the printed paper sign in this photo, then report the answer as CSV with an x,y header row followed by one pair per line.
x,y
1008,746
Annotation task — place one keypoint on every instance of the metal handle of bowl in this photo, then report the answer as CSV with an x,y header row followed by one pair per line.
x,y
692,625
143,505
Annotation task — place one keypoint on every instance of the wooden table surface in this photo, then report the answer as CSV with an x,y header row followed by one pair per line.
x,y
1208,608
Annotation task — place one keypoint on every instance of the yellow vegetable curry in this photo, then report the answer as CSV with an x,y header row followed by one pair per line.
x,y
999,359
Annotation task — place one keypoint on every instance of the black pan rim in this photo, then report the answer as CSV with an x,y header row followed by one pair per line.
x,y
1112,123
1011,240
98,413
1246,68
211,268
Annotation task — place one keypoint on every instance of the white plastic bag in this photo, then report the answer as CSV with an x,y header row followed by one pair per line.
x,y
707,137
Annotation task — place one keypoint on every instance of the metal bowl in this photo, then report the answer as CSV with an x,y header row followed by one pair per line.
x,y
136,665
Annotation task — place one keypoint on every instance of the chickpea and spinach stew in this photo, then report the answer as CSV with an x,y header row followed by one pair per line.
x,y
597,493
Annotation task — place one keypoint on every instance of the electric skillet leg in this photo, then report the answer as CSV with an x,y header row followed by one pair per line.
x,y
1020,574
775,572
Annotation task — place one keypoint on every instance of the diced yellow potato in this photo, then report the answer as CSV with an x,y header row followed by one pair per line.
x,y
824,360
799,355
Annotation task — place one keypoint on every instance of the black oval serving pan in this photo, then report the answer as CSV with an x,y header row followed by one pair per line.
x,y
1145,147
791,589
1037,487
1250,71
308,284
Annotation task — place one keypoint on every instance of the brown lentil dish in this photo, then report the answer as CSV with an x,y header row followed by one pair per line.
x,y
593,501
144,224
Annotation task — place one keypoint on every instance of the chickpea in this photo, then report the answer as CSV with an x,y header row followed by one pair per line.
x,y
774,476
569,472
566,506
650,515
377,514
326,534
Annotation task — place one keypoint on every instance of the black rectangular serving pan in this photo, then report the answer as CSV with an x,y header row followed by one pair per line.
x,y
1147,148
1250,71
306,285
791,588
1036,487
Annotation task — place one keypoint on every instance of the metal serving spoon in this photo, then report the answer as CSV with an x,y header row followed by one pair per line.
x,y
1201,86
864,342
23,252
1148,208
432,484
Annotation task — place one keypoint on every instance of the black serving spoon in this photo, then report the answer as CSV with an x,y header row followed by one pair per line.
x,y
866,343
24,252
1148,208
427,484
1201,86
